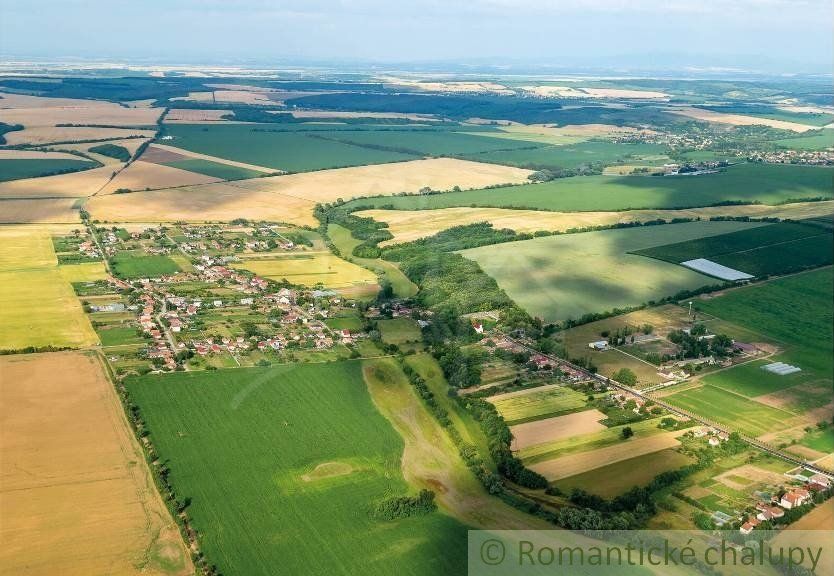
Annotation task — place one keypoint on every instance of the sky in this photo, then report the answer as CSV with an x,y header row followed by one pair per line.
x,y
767,35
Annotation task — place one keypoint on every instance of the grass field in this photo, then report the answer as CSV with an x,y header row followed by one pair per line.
x,y
291,151
77,497
32,168
537,403
819,141
310,269
118,336
774,249
83,272
38,306
561,277
768,184
283,486
140,265
429,143
612,480
399,331
215,169
738,412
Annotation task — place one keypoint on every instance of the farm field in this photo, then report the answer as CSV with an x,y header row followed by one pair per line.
x,y
77,497
742,119
140,175
537,403
774,249
72,185
409,225
614,479
291,198
792,310
139,265
265,145
562,277
574,155
38,210
214,169
579,463
429,142
769,184
309,269
17,169
288,424
37,304
738,412
556,428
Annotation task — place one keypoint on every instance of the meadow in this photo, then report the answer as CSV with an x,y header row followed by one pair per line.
x,y
262,144
38,306
18,169
747,183
140,265
294,446
79,498
399,331
562,277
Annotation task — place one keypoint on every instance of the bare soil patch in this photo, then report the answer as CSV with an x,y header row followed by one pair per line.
x,y
551,429
72,185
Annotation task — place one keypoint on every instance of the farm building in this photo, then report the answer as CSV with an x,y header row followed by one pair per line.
x,y
716,270
598,345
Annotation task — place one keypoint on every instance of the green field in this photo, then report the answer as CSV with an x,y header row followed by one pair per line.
x,y
820,440
561,277
539,404
118,336
283,465
263,145
344,323
765,183
739,412
795,311
140,265
428,142
774,249
750,380
399,331
571,156
819,141
215,169
16,169
113,151
612,480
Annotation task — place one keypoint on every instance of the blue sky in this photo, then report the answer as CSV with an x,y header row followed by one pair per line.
x,y
781,35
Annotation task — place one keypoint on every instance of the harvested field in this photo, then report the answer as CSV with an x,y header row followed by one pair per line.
x,y
336,114
750,474
740,119
191,116
291,198
577,92
48,134
73,185
452,86
408,225
310,269
142,175
129,144
38,307
551,429
37,111
574,464
84,272
76,496
41,210
36,155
